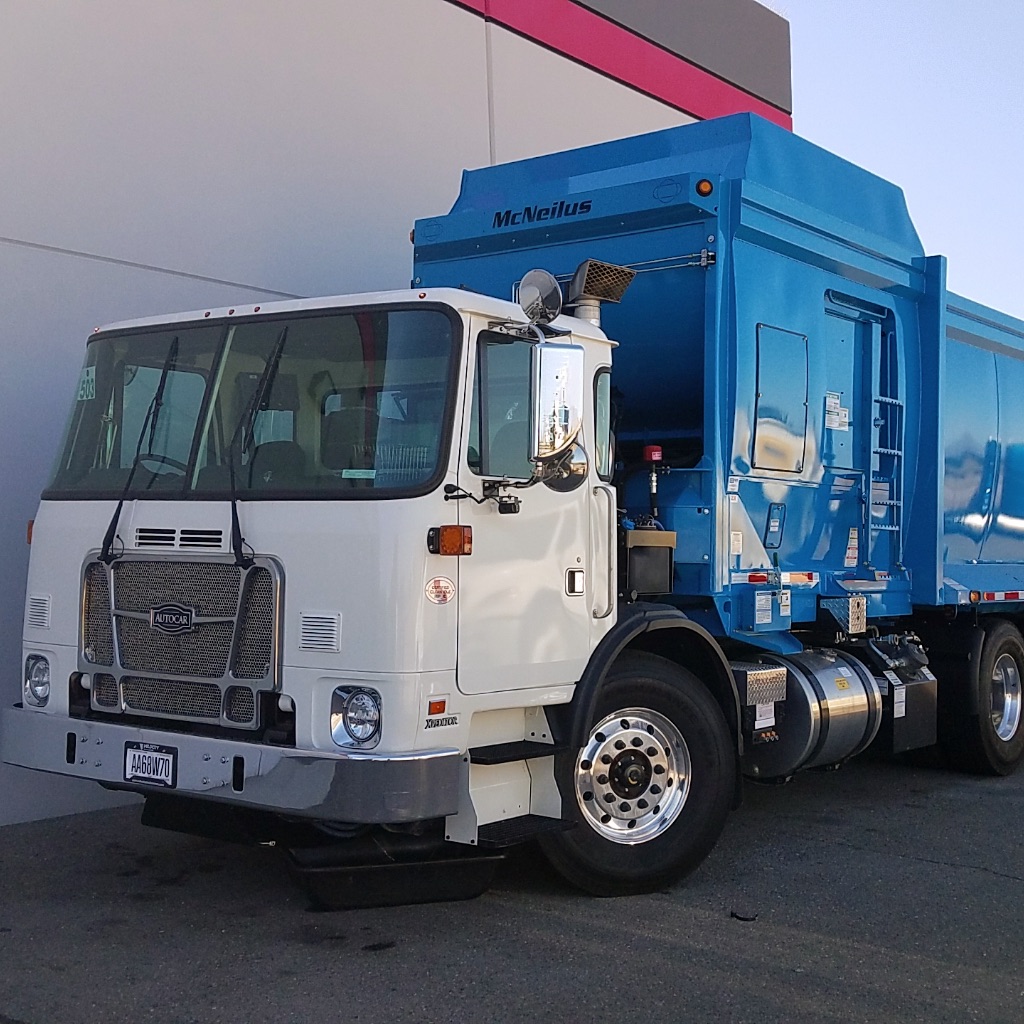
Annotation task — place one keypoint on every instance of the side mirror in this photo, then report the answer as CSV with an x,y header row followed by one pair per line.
x,y
556,399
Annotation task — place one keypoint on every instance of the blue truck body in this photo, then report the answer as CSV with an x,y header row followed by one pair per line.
x,y
833,420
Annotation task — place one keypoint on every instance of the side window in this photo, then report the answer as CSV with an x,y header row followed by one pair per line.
x,y
499,439
603,454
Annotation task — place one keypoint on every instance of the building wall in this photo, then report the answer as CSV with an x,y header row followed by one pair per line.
x,y
174,155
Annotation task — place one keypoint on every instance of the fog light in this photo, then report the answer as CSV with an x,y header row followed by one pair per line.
x,y
37,680
355,716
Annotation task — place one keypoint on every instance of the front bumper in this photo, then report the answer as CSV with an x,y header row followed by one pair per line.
x,y
362,788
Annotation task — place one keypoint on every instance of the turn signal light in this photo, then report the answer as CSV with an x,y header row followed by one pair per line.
x,y
28,532
450,540
436,707
705,188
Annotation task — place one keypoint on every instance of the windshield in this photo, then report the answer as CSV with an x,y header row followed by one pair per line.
x,y
321,405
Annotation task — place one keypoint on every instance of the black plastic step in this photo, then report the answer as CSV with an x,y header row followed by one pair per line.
x,y
462,876
518,750
511,831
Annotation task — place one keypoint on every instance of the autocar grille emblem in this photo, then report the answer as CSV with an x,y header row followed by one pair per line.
x,y
171,618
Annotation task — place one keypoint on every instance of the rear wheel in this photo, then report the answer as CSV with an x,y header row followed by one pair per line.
x,y
992,742
652,785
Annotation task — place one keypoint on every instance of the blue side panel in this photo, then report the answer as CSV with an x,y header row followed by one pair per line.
x,y
983,455
832,420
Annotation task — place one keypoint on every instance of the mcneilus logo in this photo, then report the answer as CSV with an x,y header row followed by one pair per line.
x,y
536,214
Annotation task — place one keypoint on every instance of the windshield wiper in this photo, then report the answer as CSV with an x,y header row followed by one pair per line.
x,y
244,431
152,415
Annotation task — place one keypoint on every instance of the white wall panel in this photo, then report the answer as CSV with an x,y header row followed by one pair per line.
x,y
543,102
257,141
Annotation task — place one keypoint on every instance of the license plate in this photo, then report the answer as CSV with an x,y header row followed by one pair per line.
x,y
148,762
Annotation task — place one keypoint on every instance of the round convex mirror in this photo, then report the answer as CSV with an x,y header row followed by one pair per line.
x,y
540,296
568,472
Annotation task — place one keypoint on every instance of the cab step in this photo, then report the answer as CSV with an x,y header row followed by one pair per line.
x,y
518,750
333,883
497,835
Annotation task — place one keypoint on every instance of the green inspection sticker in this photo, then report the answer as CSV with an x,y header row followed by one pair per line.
x,y
87,384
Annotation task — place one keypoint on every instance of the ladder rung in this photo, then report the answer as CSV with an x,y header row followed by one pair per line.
x,y
887,529
887,451
882,400
889,504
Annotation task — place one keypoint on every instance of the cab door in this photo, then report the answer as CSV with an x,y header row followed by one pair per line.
x,y
525,592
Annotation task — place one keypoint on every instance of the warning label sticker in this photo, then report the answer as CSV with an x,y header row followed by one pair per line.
x,y
852,549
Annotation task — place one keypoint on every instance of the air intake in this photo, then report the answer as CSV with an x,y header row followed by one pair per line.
x,y
154,537
38,611
320,632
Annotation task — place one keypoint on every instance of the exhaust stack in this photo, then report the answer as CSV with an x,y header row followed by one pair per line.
x,y
595,282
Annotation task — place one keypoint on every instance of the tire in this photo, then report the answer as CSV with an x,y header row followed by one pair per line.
x,y
992,741
672,774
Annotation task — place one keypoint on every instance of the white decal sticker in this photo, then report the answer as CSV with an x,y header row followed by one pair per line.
x,y
852,548
764,716
832,401
899,702
736,542
440,590
733,485
784,602
763,608
734,497
358,474
87,384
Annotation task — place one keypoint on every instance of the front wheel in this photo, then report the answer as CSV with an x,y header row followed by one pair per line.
x,y
652,785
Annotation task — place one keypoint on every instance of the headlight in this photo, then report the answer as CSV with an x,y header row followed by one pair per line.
x,y
355,716
37,680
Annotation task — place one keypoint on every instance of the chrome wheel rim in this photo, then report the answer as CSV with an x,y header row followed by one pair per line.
x,y
1006,697
633,776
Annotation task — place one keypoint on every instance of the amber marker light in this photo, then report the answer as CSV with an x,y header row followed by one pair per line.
x,y
705,188
450,540
28,532
975,596
436,707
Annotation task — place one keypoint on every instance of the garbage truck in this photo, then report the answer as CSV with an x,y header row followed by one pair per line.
x,y
677,465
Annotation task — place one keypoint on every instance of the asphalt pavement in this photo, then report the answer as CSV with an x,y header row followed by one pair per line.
x,y
876,893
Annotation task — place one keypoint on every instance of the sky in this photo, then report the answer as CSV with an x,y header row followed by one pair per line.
x,y
929,94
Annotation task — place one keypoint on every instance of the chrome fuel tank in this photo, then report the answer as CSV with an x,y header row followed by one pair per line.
x,y
833,710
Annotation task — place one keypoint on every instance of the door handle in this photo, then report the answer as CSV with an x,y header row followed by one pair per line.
x,y
612,541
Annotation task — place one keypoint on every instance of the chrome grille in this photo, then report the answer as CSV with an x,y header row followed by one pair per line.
x,y
211,588
97,634
209,659
240,704
104,691
204,652
255,646
169,697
